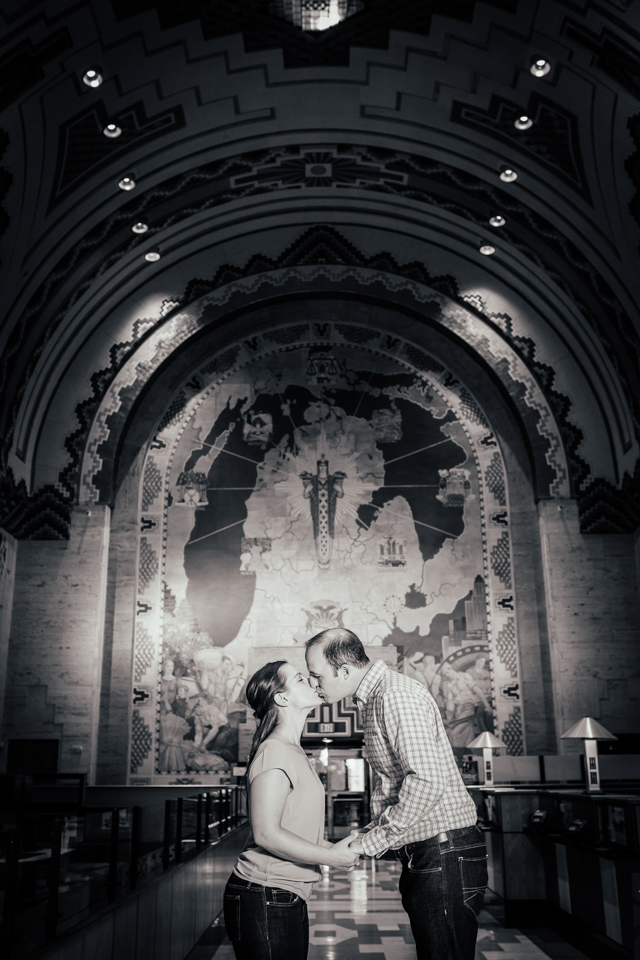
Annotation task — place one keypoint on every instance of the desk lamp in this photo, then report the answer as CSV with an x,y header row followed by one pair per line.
x,y
488,742
590,731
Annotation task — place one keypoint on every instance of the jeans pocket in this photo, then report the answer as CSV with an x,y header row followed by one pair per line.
x,y
473,876
425,860
232,916
283,898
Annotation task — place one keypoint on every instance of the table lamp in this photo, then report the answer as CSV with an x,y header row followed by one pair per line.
x,y
590,731
487,741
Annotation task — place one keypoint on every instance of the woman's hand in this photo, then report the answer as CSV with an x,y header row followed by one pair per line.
x,y
341,856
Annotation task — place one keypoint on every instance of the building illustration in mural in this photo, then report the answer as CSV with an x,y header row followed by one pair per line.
x,y
319,486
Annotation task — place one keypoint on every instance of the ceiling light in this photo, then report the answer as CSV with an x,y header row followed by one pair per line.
x,y
523,123
152,256
112,130
487,249
508,174
92,78
127,183
140,227
497,221
327,740
540,67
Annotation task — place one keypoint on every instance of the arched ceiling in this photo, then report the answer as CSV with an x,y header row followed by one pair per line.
x,y
378,143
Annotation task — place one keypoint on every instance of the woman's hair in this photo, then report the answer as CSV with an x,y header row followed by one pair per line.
x,y
261,689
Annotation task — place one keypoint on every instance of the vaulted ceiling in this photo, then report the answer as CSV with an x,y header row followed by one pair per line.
x,y
256,147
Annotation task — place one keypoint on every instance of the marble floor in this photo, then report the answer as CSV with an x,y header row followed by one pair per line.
x,y
359,913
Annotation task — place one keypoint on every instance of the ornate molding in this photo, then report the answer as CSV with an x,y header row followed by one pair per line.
x,y
374,169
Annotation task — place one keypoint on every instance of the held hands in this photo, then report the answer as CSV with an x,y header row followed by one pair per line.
x,y
343,854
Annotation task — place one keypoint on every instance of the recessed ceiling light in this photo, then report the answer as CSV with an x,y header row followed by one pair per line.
x,y
152,256
140,227
497,221
127,183
112,130
508,174
523,123
487,249
92,78
540,67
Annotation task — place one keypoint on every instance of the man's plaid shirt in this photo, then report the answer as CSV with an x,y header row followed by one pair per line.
x,y
418,788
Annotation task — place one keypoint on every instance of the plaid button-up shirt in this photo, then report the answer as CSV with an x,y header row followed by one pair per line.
x,y
418,788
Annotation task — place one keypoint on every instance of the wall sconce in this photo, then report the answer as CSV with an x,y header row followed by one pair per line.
x,y
590,731
488,743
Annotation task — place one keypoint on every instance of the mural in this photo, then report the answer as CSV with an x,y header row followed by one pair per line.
x,y
317,484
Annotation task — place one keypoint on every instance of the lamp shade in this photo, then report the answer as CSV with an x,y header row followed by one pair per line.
x,y
485,739
588,729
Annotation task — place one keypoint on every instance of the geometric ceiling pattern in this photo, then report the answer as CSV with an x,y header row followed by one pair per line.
x,y
388,131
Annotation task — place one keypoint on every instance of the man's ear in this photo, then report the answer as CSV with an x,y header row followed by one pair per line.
x,y
345,671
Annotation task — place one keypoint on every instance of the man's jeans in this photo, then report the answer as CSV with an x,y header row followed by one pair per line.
x,y
442,885
265,923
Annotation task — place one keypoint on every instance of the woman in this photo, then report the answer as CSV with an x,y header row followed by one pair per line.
x,y
265,900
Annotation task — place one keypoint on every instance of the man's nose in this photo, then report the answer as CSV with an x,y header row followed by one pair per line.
x,y
313,683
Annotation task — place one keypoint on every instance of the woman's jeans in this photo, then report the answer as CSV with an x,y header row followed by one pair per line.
x,y
265,923
442,885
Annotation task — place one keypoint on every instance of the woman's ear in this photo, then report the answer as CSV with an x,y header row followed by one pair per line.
x,y
280,699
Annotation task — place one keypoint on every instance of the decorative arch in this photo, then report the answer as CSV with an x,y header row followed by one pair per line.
x,y
485,338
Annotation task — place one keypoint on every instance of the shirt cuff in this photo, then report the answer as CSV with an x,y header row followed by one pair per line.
x,y
374,843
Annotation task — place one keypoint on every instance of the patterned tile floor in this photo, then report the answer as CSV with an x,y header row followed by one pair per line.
x,y
359,913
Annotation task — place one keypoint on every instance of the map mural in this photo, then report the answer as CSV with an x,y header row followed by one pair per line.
x,y
311,485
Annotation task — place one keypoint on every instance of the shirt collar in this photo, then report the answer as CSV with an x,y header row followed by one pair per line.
x,y
370,681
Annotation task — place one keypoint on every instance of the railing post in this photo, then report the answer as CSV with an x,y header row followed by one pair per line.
x,y
136,817
207,816
166,842
112,876
199,822
179,831
10,891
53,882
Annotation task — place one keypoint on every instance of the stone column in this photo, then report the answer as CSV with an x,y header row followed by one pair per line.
x,y
593,614
55,651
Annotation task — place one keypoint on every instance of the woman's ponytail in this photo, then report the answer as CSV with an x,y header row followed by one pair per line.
x,y
261,690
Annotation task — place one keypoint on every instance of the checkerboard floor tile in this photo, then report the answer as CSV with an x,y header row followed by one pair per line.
x,y
360,914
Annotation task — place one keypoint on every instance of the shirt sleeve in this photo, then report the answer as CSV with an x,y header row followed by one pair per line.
x,y
273,755
415,738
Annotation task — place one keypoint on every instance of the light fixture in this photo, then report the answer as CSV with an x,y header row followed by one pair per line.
x,y
486,742
127,183
112,130
497,221
487,249
523,123
540,67
140,227
92,77
152,256
327,740
508,174
590,731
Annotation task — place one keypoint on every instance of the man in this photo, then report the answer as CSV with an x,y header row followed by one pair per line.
x,y
420,805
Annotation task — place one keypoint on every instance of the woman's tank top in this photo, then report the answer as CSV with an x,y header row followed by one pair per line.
x,y
303,815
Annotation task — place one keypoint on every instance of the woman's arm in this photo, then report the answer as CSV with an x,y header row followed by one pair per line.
x,y
269,792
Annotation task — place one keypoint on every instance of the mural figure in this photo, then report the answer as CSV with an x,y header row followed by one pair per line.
x,y
322,491
463,706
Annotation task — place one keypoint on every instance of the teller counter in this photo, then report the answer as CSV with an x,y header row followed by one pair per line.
x,y
565,855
